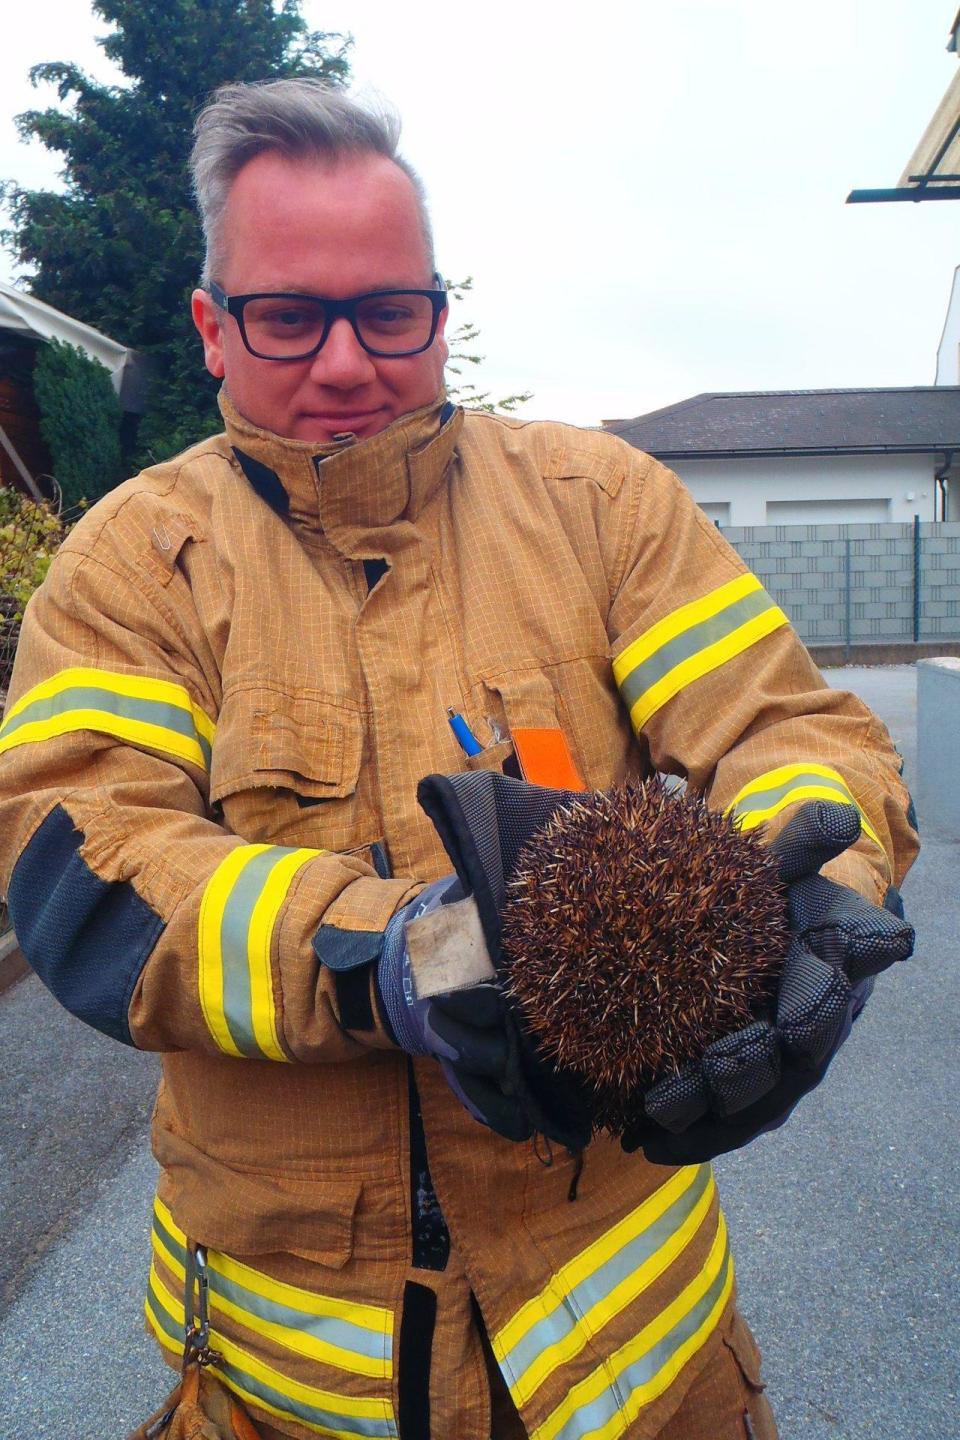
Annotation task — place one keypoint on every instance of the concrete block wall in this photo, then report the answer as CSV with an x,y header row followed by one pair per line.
x,y
804,569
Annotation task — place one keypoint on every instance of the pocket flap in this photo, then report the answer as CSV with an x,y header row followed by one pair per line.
x,y
243,1213
575,462
287,740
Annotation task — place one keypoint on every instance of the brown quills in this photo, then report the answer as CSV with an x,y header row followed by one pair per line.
x,y
639,927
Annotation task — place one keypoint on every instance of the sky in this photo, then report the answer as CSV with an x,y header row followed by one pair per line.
x,y
648,196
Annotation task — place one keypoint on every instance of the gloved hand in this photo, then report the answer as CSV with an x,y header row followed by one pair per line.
x,y
468,1031
483,819
749,1082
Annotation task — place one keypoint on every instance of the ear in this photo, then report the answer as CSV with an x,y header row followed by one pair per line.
x,y
441,339
206,317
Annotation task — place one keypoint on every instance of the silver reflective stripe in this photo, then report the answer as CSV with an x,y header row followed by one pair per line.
x,y
109,702
596,1287
331,1330
691,642
766,799
238,1002
590,1418
327,1420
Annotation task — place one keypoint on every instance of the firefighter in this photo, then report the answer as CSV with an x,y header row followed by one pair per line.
x,y
241,665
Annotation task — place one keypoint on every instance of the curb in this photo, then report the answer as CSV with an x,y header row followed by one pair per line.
x,y
883,654
13,966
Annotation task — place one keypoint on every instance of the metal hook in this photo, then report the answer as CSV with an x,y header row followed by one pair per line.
x,y
196,1306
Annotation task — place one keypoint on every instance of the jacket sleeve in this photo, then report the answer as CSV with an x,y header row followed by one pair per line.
x,y
141,914
720,688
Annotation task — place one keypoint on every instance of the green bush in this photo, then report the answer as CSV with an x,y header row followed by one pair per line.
x,y
80,419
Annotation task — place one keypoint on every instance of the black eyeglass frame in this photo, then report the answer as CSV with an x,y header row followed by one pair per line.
x,y
333,310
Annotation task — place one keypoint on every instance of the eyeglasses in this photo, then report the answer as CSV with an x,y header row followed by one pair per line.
x,y
286,326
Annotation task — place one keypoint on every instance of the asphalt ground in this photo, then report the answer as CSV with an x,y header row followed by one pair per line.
x,y
844,1223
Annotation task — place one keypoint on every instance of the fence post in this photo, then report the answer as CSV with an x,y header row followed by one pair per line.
x,y
916,579
847,596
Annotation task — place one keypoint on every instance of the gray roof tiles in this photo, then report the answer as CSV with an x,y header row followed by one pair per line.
x,y
922,418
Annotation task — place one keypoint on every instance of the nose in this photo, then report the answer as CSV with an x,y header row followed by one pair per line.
x,y
343,362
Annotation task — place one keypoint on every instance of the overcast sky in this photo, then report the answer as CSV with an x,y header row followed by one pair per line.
x,y
649,196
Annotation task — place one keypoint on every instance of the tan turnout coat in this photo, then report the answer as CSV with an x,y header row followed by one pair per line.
x,y
210,755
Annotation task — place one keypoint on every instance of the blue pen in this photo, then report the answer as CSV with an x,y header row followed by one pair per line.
x,y
466,739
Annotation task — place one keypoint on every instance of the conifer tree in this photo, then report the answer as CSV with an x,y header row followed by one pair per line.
x,y
120,247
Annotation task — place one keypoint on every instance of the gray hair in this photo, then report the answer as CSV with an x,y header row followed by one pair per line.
x,y
300,119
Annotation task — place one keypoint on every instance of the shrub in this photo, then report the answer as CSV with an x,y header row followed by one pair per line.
x,y
79,420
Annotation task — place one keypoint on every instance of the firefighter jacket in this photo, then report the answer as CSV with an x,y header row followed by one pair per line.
x,y
238,669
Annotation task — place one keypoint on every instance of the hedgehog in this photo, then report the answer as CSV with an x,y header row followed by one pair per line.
x,y
639,927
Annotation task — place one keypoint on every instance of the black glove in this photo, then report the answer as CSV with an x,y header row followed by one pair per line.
x,y
749,1082
484,818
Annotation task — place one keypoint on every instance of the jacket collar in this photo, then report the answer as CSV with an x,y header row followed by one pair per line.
x,y
352,488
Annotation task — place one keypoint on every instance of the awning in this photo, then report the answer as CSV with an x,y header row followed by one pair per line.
x,y
936,160
22,314
933,170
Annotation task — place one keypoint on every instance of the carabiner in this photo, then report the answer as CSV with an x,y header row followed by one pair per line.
x,y
196,1309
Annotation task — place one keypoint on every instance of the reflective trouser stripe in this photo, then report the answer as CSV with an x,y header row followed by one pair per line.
x,y
772,792
323,1411
606,1402
238,914
692,641
602,1281
349,1335
152,714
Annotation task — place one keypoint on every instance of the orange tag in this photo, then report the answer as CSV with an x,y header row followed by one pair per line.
x,y
545,758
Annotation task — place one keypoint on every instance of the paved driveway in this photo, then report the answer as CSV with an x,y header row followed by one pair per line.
x,y
845,1223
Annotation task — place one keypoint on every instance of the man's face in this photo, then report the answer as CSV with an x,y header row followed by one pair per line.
x,y
317,229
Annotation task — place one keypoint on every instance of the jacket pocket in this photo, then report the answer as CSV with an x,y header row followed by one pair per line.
x,y
294,740
579,698
246,1213
286,768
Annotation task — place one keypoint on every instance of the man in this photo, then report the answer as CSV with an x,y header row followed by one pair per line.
x,y
227,691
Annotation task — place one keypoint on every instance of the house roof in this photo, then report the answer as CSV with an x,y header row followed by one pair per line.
x,y
800,422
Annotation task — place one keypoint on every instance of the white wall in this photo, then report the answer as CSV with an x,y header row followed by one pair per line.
x,y
747,485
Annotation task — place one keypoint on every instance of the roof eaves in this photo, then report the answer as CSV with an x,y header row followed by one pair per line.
x,y
768,452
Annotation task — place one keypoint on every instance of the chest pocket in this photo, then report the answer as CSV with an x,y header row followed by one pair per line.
x,y
286,768
577,697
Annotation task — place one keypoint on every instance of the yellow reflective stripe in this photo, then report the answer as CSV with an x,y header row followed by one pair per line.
x,y
372,1317
260,1384
606,1402
748,818
210,951
592,1320
708,659
238,915
679,620
286,1337
138,687
591,1258
691,642
155,714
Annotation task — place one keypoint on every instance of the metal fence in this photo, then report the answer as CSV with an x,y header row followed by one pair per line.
x,y
850,585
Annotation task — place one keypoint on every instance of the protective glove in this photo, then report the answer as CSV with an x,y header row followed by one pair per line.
x,y
484,818
749,1082
467,1031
